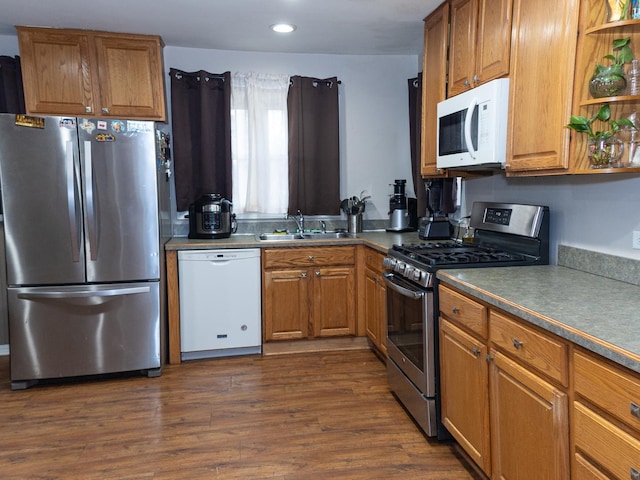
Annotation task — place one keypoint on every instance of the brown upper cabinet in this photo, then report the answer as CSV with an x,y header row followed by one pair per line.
x,y
543,54
90,73
434,85
479,44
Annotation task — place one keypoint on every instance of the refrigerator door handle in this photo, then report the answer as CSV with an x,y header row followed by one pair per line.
x,y
72,192
89,197
112,292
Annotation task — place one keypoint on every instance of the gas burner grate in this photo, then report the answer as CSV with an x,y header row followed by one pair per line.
x,y
452,253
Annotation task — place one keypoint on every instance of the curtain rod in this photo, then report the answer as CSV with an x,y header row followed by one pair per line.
x,y
327,82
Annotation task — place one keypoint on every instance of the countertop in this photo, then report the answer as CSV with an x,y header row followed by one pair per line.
x,y
597,313
379,240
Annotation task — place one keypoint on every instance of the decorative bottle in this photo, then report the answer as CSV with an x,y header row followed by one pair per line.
x,y
633,78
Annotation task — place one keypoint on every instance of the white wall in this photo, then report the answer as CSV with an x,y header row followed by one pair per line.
x,y
8,45
594,212
373,102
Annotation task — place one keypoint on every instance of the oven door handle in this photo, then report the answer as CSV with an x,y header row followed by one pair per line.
x,y
388,279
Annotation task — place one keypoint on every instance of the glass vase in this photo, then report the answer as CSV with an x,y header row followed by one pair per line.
x,y
618,10
604,152
607,81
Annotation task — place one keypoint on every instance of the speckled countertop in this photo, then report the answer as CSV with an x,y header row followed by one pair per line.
x,y
380,240
597,313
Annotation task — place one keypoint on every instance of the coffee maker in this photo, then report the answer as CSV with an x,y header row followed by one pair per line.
x,y
402,210
436,225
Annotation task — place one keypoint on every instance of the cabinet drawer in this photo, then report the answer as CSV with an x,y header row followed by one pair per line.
x,y
455,306
606,444
306,257
547,355
611,388
373,260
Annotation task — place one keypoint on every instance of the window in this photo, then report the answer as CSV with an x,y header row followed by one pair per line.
x,y
259,143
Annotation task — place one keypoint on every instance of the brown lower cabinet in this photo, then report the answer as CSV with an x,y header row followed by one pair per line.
x,y
504,395
374,297
606,419
308,292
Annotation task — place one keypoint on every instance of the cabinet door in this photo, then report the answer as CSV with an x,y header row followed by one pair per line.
x,y
375,306
529,424
382,315
334,301
543,52
462,45
131,76
285,307
371,306
434,85
464,383
494,39
57,74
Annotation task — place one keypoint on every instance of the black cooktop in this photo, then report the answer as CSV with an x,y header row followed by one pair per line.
x,y
449,253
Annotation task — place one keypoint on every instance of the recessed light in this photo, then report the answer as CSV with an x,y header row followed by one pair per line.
x,y
283,27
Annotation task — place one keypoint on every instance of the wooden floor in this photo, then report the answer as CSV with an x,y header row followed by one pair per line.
x,y
326,415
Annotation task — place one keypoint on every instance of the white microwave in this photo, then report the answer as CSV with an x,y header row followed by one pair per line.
x,y
472,127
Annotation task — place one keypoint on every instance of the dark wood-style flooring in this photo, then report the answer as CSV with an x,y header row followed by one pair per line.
x,y
326,415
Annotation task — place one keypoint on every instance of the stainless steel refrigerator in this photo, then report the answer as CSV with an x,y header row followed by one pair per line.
x,y
83,244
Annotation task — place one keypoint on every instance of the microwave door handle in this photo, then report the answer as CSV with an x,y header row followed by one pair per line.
x,y
467,127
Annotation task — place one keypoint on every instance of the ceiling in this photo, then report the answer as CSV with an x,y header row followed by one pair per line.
x,y
356,27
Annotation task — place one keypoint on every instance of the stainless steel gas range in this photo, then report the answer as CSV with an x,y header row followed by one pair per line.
x,y
506,234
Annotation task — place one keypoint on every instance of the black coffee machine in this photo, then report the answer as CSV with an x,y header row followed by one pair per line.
x,y
403,211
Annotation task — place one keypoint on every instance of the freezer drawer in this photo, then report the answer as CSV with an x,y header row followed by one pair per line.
x,y
71,331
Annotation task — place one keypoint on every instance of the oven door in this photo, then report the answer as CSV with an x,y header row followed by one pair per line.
x,y
410,332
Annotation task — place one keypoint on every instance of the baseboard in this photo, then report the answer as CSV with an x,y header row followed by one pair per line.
x,y
284,347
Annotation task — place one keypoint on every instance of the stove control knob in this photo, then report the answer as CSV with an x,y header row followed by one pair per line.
x,y
416,275
408,271
399,267
389,263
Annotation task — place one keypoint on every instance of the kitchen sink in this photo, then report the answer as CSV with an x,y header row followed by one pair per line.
x,y
327,235
279,237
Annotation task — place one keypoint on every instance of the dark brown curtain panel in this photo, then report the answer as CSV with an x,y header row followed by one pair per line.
x,y
201,125
415,122
11,91
314,149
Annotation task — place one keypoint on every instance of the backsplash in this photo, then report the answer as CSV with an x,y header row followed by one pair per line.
x,y
181,229
606,265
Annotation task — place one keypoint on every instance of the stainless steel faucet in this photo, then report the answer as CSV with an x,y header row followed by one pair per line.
x,y
299,219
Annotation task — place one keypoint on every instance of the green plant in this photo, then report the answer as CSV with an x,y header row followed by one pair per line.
x,y
622,54
583,124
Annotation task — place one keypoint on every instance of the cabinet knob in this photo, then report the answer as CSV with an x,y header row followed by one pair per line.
x,y
105,110
476,79
634,474
517,343
317,273
87,109
455,310
635,410
466,83
310,257
475,351
303,275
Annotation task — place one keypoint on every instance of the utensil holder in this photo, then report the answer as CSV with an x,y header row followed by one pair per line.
x,y
354,223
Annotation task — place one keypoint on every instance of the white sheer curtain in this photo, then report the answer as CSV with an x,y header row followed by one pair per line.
x,y
259,143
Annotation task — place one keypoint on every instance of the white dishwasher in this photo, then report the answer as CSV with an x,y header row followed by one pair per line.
x,y
220,302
